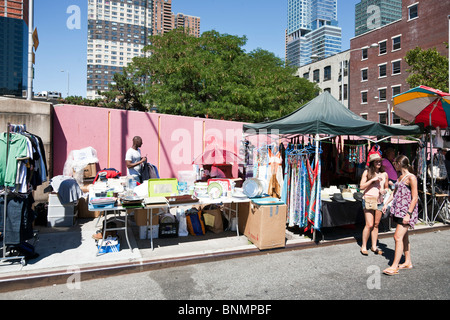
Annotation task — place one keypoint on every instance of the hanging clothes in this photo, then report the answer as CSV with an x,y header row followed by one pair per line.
x,y
276,174
302,188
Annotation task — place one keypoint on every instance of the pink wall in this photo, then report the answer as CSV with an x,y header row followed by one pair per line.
x,y
170,142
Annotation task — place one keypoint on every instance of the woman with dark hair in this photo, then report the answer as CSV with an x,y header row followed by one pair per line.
x,y
404,212
375,183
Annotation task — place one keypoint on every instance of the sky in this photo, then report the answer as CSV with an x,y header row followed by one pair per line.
x,y
62,52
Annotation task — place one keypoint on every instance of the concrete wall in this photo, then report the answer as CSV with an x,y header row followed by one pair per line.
x,y
170,142
37,116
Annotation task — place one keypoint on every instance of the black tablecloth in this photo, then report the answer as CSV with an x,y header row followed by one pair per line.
x,y
341,213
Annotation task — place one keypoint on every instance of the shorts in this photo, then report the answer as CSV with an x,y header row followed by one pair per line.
x,y
379,207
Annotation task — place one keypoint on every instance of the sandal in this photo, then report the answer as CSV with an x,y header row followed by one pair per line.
x,y
390,271
364,252
377,251
405,266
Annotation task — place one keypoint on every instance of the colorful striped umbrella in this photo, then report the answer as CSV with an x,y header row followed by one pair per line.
x,y
424,105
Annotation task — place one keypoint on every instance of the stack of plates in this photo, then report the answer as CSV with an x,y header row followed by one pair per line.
x,y
254,187
215,190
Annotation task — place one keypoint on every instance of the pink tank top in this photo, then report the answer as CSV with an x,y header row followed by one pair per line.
x,y
374,189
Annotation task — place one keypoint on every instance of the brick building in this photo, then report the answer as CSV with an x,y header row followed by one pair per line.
x,y
16,9
379,73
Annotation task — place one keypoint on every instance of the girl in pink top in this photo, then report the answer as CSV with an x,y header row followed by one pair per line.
x,y
375,183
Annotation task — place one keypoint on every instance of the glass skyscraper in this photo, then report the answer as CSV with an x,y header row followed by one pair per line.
x,y
312,31
372,14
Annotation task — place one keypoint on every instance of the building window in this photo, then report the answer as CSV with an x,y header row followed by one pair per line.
x,y
396,43
396,90
364,116
364,54
327,90
395,119
327,73
382,70
306,75
363,97
364,74
382,117
413,11
381,94
316,75
396,67
382,47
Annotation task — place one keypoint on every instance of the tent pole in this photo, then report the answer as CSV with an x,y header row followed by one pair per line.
x,y
317,138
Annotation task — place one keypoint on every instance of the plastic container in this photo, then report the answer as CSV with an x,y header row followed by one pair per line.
x,y
187,176
145,232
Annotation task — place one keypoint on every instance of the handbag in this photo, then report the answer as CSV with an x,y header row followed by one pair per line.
x,y
371,203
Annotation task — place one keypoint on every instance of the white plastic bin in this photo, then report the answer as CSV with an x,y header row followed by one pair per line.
x,y
59,215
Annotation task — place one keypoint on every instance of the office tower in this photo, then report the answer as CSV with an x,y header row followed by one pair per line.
x,y
312,31
14,47
118,30
372,14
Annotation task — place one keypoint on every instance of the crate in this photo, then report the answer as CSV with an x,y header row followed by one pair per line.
x,y
145,232
61,221
168,230
61,215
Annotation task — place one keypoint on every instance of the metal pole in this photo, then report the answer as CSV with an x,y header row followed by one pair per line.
x,y
30,49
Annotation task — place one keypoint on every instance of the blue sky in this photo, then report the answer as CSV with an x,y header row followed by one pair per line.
x,y
263,22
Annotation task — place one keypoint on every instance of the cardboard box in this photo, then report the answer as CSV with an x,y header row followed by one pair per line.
x,y
90,171
266,226
83,211
141,218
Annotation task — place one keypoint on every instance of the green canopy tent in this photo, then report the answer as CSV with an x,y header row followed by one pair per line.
x,y
324,115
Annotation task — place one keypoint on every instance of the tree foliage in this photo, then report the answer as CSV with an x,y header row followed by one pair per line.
x,y
428,68
212,76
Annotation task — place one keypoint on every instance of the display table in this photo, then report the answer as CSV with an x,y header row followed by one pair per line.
x,y
150,211
117,210
336,214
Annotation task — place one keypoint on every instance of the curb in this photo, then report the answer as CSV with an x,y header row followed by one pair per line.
x,y
50,278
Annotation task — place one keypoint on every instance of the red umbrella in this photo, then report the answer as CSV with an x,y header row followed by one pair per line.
x,y
215,155
424,105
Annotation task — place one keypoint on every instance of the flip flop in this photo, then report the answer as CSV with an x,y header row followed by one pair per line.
x,y
390,271
405,266
364,253
377,251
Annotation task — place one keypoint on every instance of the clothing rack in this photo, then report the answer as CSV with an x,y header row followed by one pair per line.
x,y
10,128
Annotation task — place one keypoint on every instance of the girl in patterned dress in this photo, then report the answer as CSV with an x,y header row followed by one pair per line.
x,y
404,212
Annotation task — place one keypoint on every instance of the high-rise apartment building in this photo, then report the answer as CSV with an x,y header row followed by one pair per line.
x,y
373,14
190,23
312,31
14,47
118,30
162,16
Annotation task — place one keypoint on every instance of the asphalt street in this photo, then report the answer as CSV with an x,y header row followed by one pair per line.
x,y
337,272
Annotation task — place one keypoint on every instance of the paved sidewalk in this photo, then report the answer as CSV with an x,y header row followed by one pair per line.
x,y
63,251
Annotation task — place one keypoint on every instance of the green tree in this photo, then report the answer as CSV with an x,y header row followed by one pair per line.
x,y
213,76
428,68
126,91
